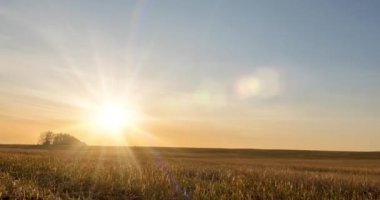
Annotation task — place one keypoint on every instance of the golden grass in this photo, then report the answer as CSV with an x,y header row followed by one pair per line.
x,y
169,173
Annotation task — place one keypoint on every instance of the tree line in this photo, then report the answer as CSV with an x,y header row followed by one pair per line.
x,y
50,138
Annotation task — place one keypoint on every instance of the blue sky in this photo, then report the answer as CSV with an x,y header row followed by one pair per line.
x,y
211,60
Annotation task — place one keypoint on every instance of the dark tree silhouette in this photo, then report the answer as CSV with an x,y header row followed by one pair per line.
x,y
65,139
46,138
55,139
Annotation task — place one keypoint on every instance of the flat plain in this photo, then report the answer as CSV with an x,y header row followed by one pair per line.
x,y
32,172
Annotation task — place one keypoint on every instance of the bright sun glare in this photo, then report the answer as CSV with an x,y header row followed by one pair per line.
x,y
113,118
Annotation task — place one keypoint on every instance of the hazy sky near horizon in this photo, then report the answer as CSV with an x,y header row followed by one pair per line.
x,y
241,74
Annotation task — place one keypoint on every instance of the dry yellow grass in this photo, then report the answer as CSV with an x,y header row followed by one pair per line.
x,y
170,173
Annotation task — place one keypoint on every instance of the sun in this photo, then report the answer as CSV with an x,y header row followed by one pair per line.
x,y
113,118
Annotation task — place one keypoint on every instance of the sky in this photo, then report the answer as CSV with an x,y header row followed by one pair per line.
x,y
285,74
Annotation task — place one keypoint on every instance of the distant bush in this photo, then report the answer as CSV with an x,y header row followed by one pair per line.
x,y
55,139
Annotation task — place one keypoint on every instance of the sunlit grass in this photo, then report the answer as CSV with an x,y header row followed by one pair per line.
x,y
149,173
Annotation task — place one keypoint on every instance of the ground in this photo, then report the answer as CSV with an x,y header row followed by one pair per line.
x,y
30,172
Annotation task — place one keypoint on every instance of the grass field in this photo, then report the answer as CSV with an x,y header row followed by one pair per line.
x,y
27,172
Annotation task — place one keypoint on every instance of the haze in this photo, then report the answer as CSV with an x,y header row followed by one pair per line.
x,y
254,74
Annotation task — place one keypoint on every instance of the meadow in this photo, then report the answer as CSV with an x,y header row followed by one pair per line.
x,y
30,172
